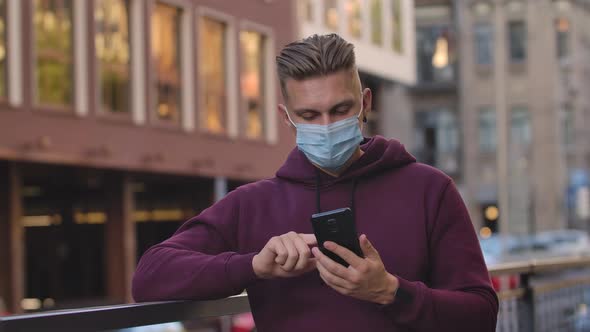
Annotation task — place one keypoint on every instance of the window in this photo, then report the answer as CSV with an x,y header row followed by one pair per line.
x,y
397,26
487,130
54,73
331,14
448,132
484,39
568,126
517,38
308,10
252,82
353,10
376,21
437,138
520,128
113,53
3,49
562,28
482,9
165,50
212,71
435,54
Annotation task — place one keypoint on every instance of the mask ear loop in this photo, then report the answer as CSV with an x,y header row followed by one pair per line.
x,y
289,117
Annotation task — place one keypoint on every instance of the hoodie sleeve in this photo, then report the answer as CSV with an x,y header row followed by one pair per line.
x,y
459,296
200,261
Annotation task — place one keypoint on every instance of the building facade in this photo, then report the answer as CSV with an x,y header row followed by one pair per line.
x,y
120,119
520,93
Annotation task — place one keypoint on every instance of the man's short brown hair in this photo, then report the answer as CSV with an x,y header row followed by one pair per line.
x,y
316,55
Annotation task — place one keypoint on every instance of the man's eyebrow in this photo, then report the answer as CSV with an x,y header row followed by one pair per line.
x,y
344,103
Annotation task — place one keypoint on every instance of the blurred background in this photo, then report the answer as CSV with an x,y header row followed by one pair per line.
x,y
120,119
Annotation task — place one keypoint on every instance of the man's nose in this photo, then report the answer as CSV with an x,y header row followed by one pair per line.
x,y
326,119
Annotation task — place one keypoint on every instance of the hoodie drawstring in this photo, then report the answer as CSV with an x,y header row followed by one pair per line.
x,y
317,192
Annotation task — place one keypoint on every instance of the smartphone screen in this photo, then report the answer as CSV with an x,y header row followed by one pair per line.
x,y
337,226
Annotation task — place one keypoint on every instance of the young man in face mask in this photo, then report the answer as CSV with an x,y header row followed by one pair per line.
x,y
422,269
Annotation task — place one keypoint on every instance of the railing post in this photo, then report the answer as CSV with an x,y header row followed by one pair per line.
x,y
527,305
120,241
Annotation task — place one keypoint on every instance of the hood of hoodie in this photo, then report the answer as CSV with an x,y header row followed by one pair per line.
x,y
379,154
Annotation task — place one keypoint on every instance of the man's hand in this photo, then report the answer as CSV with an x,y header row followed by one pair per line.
x,y
285,256
365,278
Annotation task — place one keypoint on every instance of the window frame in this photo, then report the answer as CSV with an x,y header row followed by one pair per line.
x,y
523,109
270,130
373,25
509,23
324,15
185,38
77,90
476,43
119,117
488,148
561,54
231,81
351,16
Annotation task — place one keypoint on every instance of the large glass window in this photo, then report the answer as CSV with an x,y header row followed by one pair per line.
x,y
397,26
435,54
54,55
113,53
517,37
487,130
353,10
2,48
212,69
562,28
331,14
484,43
376,21
520,127
165,42
252,82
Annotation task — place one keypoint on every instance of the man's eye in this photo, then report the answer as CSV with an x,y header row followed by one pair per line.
x,y
308,116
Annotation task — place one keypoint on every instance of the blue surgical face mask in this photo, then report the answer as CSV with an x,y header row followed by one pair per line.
x,y
329,146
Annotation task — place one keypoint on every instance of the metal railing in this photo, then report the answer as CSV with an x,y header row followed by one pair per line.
x,y
548,297
551,295
124,316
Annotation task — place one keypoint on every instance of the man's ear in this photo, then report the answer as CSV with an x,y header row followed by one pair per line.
x,y
367,103
282,109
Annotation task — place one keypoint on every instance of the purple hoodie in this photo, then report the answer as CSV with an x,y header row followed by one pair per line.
x,y
412,214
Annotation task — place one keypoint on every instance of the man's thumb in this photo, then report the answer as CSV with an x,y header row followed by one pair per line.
x,y
368,250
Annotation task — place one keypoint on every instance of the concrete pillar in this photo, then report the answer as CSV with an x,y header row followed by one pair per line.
x,y
469,110
120,239
502,112
396,114
547,162
12,248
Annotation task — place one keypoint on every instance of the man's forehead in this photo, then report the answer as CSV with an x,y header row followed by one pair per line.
x,y
321,90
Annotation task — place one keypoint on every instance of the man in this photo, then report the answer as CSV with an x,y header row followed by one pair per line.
x,y
422,268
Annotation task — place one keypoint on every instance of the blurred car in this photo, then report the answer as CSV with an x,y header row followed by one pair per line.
x,y
566,241
503,248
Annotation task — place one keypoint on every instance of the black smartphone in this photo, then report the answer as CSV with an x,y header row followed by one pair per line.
x,y
336,226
